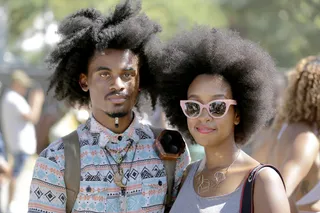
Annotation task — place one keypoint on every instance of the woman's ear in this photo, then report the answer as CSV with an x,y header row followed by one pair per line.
x,y
83,82
236,117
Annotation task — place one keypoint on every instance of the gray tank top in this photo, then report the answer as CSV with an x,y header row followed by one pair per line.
x,y
188,201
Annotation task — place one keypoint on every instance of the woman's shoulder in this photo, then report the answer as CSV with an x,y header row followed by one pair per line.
x,y
301,139
269,191
305,137
268,176
302,128
265,173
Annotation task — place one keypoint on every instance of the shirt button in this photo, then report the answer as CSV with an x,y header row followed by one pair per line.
x,y
160,183
88,189
119,137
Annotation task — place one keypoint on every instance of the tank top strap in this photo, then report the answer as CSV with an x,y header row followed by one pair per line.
x,y
283,128
193,170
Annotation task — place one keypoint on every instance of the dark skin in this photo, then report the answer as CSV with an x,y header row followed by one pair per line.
x,y
224,127
221,150
113,83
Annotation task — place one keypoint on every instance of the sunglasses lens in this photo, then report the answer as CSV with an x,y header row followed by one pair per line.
x,y
218,108
192,109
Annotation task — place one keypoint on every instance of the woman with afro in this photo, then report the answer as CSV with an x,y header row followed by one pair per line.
x,y
217,88
296,151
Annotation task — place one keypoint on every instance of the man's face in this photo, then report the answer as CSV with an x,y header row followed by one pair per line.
x,y
112,81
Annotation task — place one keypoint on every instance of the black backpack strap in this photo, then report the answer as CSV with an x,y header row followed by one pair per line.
x,y
246,201
72,168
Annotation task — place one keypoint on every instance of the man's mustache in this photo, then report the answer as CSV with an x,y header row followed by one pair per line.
x,y
113,93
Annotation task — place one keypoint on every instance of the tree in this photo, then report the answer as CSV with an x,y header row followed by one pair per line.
x,y
172,15
288,29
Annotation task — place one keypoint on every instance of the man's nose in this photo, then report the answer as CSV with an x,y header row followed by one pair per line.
x,y
118,84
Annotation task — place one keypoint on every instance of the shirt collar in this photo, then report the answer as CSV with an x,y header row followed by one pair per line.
x,y
135,132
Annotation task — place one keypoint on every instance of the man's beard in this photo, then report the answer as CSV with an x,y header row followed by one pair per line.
x,y
116,114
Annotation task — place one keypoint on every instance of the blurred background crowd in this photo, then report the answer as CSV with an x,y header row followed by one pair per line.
x,y
287,29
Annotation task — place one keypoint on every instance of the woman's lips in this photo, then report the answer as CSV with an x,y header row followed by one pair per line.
x,y
205,130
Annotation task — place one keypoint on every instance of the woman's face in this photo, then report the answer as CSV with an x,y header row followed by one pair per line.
x,y
205,129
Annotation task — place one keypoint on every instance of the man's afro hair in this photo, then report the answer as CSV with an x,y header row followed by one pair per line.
x,y
88,30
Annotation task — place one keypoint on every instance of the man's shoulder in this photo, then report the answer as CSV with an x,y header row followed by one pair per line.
x,y
54,149
144,130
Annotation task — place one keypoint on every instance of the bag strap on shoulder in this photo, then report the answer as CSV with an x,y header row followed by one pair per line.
x,y
246,201
72,168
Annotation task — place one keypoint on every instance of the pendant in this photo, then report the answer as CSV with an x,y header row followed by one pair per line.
x,y
123,200
204,185
118,176
219,177
119,159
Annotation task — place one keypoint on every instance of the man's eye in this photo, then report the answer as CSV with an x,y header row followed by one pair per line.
x,y
127,75
104,75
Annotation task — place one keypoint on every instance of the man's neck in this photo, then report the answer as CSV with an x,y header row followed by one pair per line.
x,y
109,122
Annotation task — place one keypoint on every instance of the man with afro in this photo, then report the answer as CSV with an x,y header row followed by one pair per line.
x,y
102,63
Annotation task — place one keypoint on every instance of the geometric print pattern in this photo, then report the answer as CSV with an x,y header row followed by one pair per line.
x,y
144,174
142,134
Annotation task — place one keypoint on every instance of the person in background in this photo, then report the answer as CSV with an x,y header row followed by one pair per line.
x,y
262,142
296,152
5,170
18,119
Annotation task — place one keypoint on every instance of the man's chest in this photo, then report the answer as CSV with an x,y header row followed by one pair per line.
x,y
142,175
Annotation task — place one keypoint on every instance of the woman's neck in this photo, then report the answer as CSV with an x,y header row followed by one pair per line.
x,y
221,156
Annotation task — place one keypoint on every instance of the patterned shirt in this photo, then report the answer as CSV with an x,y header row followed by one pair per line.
x,y
144,172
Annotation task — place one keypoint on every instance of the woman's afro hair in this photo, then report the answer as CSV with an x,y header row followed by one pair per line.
x,y
243,64
88,30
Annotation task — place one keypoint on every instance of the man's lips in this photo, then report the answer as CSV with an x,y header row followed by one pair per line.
x,y
205,130
117,99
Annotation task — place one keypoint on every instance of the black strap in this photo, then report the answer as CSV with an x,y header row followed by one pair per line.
x,y
246,202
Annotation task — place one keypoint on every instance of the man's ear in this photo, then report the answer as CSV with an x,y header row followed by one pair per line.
x,y
83,82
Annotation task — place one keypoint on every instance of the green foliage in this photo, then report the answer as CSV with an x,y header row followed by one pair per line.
x,y
173,15
288,29
177,15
